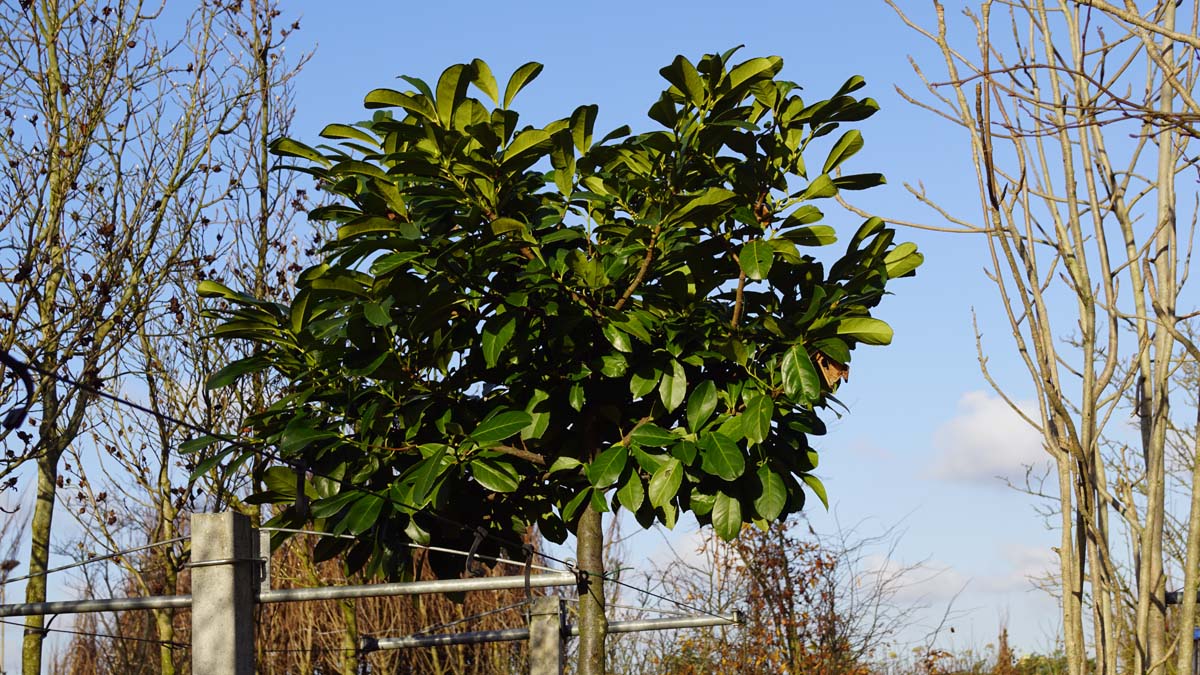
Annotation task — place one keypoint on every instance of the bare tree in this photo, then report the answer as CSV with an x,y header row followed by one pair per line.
x,y
1078,118
821,604
134,485
108,179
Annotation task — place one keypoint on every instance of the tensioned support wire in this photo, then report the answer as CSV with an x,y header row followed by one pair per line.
x,y
96,559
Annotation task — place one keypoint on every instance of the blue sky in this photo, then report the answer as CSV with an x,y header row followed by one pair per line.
x,y
925,438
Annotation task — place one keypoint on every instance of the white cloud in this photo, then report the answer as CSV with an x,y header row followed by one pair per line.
x,y
1027,566
985,440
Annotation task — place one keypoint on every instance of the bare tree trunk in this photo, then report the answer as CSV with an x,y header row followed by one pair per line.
x,y
593,624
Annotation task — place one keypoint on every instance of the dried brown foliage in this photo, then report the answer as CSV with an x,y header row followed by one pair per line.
x,y
315,637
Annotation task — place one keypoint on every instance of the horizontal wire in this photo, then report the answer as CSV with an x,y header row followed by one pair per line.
x,y
656,610
129,638
473,617
107,556
439,549
677,603
382,495
314,648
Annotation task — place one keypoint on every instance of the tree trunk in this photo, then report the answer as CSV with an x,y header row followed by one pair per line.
x,y
39,556
349,637
593,625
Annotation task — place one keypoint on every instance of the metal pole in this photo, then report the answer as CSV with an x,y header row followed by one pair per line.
x,y
668,623
546,636
417,587
511,634
96,605
370,644
264,552
224,576
292,594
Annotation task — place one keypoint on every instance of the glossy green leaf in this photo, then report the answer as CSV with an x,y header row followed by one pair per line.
x,y
773,498
845,148
363,514
701,404
282,481
500,427
603,471
577,397
903,260
389,98
813,235
859,181
756,258
234,371
817,487
377,313
573,506
673,387
583,123
613,365
495,475
501,226
617,338
286,147
299,434
485,80
339,131
708,198
564,463
756,418
721,456
497,333
651,435
727,516
197,444
632,494
665,482
800,378
866,330
684,76
432,468
854,83
529,141
521,77
753,69
821,187
331,506
641,383
805,214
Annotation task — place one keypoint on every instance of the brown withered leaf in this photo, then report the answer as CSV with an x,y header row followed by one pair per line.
x,y
831,370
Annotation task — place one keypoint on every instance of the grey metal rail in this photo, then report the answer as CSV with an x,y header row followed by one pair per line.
x,y
417,587
370,644
96,605
295,594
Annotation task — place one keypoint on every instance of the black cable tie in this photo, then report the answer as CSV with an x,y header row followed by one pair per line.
x,y
16,415
528,566
470,569
301,495
367,644
581,581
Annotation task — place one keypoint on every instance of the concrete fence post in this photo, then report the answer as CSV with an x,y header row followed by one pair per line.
x,y
224,577
546,636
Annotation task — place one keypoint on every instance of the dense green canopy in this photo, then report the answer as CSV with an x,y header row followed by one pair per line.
x,y
513,321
